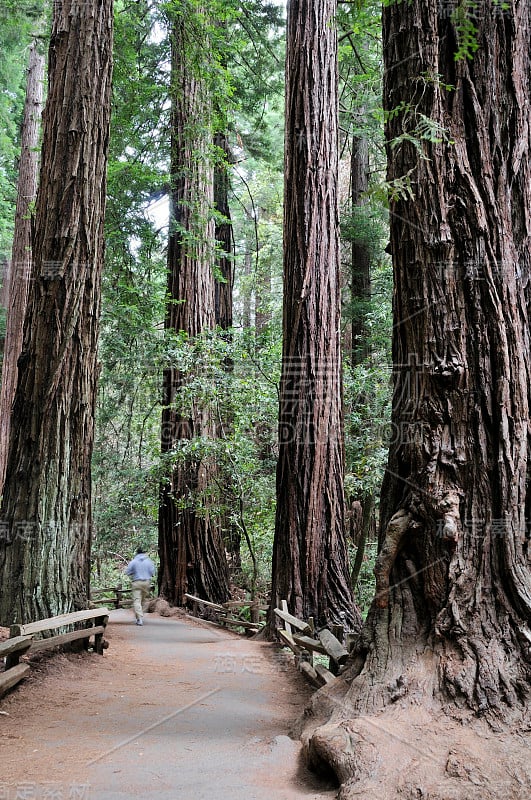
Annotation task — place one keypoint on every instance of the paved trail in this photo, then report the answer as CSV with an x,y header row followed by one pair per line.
x,y
173,711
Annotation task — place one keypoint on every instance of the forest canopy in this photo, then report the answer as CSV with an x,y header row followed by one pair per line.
x,y
246,75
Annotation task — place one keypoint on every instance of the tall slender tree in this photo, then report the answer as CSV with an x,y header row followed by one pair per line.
x,y
360,291
223,234
19,274
449,625
19,21
46,509
192,552
361,255
310,566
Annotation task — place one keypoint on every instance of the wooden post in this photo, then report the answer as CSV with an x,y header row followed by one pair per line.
x,y
284,607
306,656
310,673
351,640
98,638
338,631
119,596
13,648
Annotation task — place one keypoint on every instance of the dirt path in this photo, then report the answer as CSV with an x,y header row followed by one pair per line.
x,y
173,711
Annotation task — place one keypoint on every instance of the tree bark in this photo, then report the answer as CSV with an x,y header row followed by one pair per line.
x,y
5,277
455,488
310,567
19,275
192,553
450,621
46,510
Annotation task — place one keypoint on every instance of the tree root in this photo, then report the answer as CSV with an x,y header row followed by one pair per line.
x,y
409,753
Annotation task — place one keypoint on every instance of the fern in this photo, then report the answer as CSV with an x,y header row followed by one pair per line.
x,y
464,19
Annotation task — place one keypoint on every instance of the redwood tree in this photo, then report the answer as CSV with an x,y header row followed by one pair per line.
x,y
192,552
20,272
46,512
449,627
310,566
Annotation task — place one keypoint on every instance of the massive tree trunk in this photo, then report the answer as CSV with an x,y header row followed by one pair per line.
x,y
46,511
449,627
192,553
20,272
310,566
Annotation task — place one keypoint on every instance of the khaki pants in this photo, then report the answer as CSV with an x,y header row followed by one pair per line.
x,y
141,591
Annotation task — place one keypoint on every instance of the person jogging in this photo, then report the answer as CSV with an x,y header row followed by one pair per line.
x,y
141,569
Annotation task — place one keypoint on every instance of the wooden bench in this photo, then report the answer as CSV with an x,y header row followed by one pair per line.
x,y
96,619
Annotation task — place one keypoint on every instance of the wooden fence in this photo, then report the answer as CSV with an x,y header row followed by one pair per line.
x,y
27,639
311,648
233,614
115,596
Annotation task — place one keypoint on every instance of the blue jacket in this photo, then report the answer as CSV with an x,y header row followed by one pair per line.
x,y
141,568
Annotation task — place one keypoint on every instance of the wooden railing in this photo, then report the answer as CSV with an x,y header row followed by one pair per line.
x,y
231,613
25,640
308,646
115,596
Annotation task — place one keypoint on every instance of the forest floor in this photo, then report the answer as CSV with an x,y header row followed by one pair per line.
x,y
174,710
